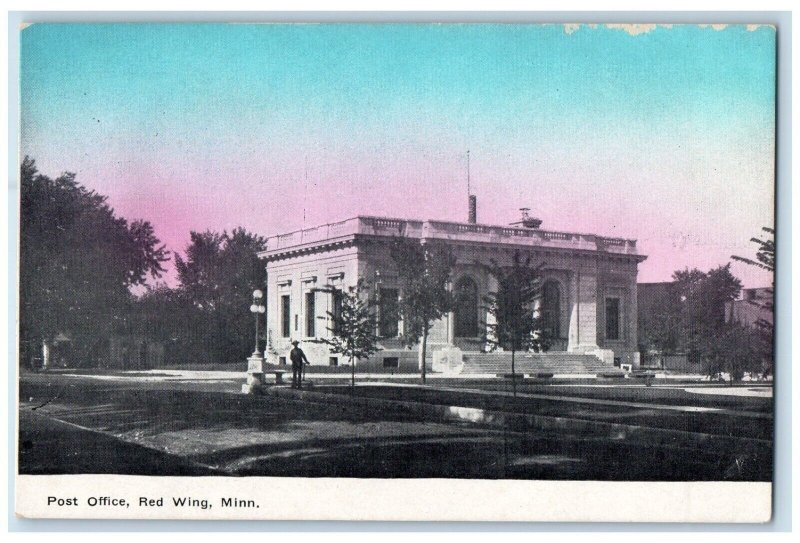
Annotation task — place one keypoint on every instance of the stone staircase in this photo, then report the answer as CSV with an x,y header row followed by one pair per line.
x,y
533,363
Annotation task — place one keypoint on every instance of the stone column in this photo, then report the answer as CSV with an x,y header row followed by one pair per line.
x,y
633,319
573,334
588,306
583,323
451,322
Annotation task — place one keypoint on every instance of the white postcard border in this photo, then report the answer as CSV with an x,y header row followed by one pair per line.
x,y
336,499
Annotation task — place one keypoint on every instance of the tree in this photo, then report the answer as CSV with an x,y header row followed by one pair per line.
x,y
765,256
707,335
765,259
217,278
517,327
424,271
166,315
659,322
703,298
734,349
352,327
78,262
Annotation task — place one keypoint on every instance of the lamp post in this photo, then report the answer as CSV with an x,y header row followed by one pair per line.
x,y
255,364
257,309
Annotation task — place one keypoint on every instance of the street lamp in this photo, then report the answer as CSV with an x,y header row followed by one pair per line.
x,y
256,309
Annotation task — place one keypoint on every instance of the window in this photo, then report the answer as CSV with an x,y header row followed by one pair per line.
x,y
466,313
286,316
391,362
336,310
388,323
282,360
311,316
551,310
612,318
333,361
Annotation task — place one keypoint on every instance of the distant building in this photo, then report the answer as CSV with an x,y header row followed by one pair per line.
x,y
754,306
133,352
589,293
133,342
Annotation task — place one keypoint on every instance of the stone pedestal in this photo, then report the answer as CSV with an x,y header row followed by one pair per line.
x,y
255,364
606,355
255,374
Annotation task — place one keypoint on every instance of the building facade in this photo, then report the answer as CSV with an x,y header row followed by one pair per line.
x,y
589,299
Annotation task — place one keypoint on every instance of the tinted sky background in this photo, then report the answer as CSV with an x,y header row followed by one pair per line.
x,y
661,134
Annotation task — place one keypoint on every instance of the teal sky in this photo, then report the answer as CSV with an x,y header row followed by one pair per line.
x,y
661,134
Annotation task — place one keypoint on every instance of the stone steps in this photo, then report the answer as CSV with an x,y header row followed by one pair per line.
x,y
557,363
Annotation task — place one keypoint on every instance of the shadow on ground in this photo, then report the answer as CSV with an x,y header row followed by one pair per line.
x,y
135,429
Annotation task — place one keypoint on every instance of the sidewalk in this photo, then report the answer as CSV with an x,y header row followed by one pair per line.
x,y
50,446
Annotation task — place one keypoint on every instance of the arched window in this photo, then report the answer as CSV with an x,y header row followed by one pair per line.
x,y
466,312
551,309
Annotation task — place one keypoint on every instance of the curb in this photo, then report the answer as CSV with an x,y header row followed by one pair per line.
x,y
657,437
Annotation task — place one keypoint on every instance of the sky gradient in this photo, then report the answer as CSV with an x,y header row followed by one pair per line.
x,y
662,134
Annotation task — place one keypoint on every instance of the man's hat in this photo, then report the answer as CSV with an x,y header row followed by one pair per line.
x,y
295,343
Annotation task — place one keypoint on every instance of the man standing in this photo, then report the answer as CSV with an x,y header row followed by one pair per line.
x,y
298,358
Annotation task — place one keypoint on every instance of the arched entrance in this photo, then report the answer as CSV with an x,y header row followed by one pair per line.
x,y
466,311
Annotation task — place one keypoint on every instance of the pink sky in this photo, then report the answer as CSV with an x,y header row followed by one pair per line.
x,y
665,136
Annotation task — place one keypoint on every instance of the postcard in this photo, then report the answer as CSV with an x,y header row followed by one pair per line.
x,y
462,272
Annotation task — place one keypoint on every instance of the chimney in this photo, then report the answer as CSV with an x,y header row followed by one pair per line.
x,y
473,209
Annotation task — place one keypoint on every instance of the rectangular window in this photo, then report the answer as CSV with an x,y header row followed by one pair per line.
x,y
286,316
311,314
612,318
336,310
333,361
391,362
389,305
282,360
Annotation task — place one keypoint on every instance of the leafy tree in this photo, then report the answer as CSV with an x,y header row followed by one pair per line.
x,y
424,271
765,259
765,256
734,349
352,327
78,262
703,297
166,315
662,331
217,278
517,327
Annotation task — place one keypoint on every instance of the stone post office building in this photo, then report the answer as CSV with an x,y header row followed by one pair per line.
x,y
588,298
